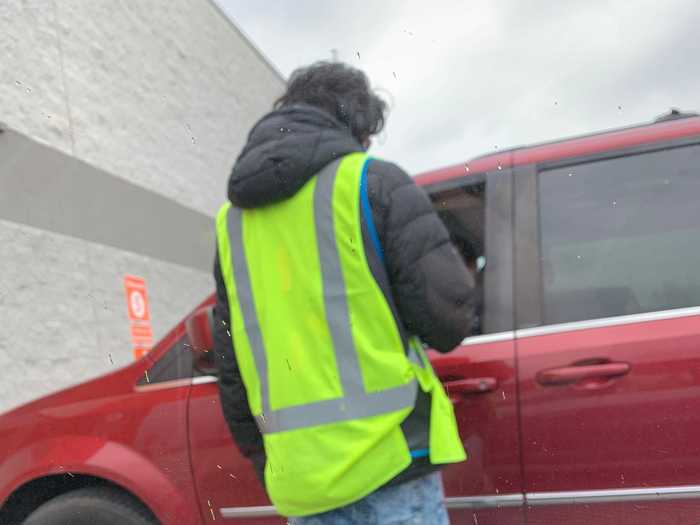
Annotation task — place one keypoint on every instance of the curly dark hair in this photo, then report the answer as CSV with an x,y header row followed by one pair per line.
x,y
340,90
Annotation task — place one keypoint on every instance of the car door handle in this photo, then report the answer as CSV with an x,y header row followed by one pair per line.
x,y
571,374
475,385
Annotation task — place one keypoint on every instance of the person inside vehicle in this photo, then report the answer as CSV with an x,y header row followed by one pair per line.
x,y
469,248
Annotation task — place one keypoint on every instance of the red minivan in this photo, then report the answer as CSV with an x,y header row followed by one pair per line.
x,y
579,402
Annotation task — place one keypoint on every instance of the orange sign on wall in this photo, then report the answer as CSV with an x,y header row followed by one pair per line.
x,y
139,315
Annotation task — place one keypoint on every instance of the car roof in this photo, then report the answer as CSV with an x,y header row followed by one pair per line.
x,y
668,127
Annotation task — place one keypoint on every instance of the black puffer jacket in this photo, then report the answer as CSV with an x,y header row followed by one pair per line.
x,y
423,277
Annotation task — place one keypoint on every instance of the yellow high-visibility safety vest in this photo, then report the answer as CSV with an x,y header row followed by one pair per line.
x,y
328,378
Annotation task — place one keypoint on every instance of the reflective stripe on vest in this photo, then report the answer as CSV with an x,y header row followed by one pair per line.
x,y
356,403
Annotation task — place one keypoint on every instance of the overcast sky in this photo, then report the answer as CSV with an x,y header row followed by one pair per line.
x,y
466,77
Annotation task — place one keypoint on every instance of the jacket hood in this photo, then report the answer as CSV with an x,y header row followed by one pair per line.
x,y
284,150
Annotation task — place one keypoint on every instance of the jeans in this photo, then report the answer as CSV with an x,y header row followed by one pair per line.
x,y
415,502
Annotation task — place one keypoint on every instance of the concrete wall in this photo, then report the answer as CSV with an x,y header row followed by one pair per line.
x,y
123,119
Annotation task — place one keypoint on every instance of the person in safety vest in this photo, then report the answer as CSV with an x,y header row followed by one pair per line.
x,y
332,270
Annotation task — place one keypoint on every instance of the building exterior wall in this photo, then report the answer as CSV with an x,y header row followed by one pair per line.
x,y
122,120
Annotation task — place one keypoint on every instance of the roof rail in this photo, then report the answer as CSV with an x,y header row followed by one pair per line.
x,y
674,114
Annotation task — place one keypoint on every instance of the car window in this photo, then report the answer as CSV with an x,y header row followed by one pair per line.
x,y
620,236
462,210
175,363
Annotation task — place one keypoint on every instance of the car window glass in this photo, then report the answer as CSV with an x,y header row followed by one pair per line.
x,y
175,363
620,236
462,210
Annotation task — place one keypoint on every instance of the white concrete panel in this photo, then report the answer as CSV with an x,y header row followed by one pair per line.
x,y
173,291
32,98
63,309
161,93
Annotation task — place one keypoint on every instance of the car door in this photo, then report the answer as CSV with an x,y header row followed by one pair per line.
x,y
479,376
608,343
227,486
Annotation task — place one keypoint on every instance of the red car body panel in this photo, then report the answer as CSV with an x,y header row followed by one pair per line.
x,y
488,424
636,430
109,429
170,446
225,479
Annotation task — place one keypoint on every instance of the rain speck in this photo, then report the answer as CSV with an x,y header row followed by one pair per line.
x,y
110,359
358,54
394,72
189,130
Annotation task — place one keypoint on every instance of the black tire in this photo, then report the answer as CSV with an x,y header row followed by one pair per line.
x,y
92,506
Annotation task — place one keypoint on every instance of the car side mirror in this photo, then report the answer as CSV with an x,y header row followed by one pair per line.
x,y
200,331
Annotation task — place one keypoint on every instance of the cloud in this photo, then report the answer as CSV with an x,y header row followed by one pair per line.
x,y
467,77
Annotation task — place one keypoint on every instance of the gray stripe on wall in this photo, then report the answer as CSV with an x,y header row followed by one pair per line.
x,y
49,190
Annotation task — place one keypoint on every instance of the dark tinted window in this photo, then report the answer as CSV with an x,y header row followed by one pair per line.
x,y
176,363
462,210
621,236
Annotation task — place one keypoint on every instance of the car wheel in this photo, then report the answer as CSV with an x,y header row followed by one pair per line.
x,y
92,506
